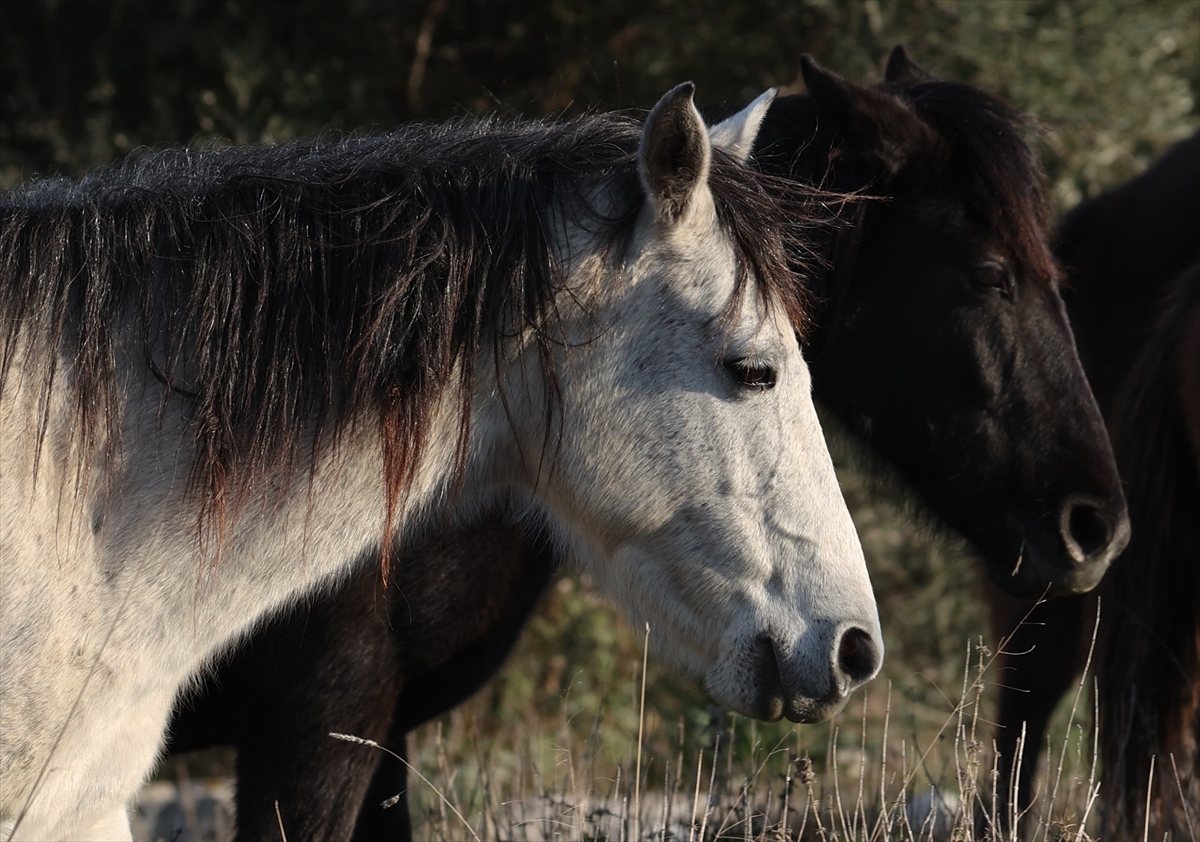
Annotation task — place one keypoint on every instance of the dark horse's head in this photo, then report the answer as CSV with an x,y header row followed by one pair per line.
x,y
944,345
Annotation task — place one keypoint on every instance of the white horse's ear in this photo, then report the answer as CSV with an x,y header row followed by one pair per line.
x,y
736,134
674,153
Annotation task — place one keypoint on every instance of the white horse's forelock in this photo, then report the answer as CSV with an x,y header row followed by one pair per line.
x,y
703,502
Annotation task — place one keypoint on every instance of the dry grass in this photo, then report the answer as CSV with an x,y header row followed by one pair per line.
x,y
863,776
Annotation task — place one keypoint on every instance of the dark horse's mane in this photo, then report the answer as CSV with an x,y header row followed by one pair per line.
x,y
1148,651
990,162
283,290
965,142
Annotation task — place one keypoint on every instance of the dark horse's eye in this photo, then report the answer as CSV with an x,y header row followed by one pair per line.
x,y
993,274
752,373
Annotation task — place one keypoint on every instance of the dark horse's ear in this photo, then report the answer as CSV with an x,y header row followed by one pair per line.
x,y
873,124
836,98
674,154
902,69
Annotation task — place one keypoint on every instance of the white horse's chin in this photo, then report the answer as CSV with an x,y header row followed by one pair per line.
x,y
752,680
767,673
737,681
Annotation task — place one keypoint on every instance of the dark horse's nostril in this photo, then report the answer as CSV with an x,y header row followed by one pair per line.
x,y
858,656
1089,528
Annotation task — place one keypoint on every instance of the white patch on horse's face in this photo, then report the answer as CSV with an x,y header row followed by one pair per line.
x,y
712,511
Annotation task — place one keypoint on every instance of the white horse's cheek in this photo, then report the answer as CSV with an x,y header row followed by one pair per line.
x,y
810,568
651,594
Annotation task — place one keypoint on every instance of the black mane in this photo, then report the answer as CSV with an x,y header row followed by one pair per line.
x,y
989,160
963,141
283,290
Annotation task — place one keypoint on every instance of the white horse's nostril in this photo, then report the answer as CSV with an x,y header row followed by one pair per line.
x,y
858,659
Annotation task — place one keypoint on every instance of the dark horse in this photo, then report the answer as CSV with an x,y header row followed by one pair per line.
x,y
1133,303
941,344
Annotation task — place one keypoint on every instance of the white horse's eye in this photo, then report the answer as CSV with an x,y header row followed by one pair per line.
x,y
752,373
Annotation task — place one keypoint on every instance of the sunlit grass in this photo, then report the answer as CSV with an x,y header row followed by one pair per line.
x,y
862,776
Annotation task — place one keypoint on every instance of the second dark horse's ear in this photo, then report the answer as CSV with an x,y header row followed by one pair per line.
x,y
873,124
674,154
837,99
902,69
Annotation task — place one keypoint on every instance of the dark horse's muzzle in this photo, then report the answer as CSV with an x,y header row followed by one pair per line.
x,y
1067,551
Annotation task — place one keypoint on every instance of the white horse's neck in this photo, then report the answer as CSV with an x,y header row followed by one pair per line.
x,y
124,561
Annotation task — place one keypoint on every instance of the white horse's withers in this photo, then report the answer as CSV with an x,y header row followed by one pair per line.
x,y
162,486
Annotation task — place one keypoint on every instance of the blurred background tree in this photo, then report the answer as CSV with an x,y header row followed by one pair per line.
x,y
83,82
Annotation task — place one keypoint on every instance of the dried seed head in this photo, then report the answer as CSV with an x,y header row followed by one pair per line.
x,y
804,771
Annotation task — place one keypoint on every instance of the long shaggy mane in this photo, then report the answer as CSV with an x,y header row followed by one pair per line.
x,y
990,163
285,292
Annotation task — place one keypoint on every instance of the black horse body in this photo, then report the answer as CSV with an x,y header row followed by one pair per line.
x,y
942,346
366,661
1148,649
1123,251
1130,295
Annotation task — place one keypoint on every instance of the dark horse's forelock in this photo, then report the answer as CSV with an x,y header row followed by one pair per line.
x,y
284,290
990,161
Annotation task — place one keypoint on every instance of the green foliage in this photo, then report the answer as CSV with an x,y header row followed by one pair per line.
x,y
83,82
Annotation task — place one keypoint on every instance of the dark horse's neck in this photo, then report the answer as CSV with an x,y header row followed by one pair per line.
x,y
1121,251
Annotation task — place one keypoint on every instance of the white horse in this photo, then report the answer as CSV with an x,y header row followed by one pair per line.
x,y
222,371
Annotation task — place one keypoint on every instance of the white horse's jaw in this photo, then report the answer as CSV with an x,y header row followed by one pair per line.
x,y
766,656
